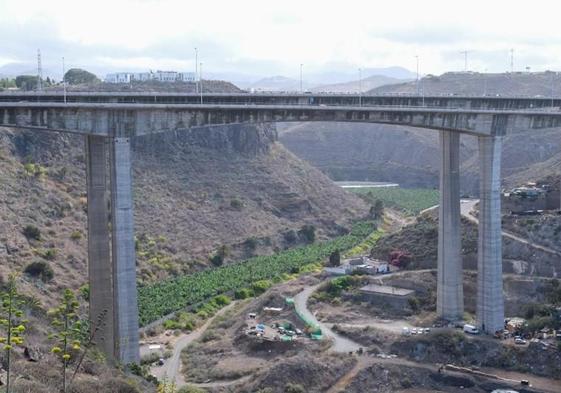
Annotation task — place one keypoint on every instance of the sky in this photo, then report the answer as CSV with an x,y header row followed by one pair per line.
x,y
268,38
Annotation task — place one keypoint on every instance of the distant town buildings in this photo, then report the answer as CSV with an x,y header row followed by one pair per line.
x,y
161,76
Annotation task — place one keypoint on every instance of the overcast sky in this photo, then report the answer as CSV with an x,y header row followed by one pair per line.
x,y
273,37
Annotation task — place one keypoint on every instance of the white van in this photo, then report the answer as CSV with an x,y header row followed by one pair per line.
x,y
470,329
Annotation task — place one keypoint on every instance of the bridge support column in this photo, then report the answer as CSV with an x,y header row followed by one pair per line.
x,y
99,256
450,293
124,258
490,302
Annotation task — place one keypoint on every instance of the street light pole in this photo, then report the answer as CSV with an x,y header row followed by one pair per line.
x,y
359,87
196,70
201,80
64,79
417,81
301,89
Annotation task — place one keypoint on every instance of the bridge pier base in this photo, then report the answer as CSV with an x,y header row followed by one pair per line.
x,y
450,293
99,255
490,302
124,257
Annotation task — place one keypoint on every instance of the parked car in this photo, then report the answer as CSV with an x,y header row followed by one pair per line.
x,y
519,341
470,329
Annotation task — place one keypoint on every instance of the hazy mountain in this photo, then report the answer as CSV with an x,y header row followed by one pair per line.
x,y
353,86
279,83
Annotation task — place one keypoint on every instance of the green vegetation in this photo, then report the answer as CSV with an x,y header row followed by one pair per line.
x,y
26,82
13,323
35,170
68,334
6,83
32,232
40,269
166,297
409,200
77,76
76,235
308,233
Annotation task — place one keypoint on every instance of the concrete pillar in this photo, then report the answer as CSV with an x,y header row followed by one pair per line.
x,y
124,258
450,293
490,302
99,257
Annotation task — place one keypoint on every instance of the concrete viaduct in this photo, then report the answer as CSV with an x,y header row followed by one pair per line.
x,y
112,119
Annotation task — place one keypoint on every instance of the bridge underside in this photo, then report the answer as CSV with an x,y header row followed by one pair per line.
x,y
128,120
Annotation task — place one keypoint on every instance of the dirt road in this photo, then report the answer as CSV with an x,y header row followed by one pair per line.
x,y
340,343
171,367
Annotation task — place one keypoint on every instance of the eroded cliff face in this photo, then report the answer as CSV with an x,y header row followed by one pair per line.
x,y
232,188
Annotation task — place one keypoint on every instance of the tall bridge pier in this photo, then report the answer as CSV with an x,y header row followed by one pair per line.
x,y
450,297
112,260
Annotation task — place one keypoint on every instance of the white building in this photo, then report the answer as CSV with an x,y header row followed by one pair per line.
x,y
161,76
119,77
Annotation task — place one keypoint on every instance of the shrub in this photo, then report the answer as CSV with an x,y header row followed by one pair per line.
x,y
76,235
217,260
290,236
40,270
222,300
251,244
414,303
236,204
32,232
49,254
294,388
243,293
308,233
260,286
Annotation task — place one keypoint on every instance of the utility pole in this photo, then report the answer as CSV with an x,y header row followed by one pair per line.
x,y
465,53
301,89
485,82
201,80
64,79
553,75
359,87
196,70
39,71
417,81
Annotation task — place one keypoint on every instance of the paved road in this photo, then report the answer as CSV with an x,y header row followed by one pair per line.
x,y
340,343
468,205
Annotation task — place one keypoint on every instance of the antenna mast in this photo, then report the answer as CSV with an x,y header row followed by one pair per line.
x,y
39,71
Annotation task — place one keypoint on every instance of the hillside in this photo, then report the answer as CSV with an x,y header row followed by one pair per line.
x,y
409,156
194,193
475,83
353,86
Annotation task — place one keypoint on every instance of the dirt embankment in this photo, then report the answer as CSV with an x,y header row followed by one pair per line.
x,y
456,348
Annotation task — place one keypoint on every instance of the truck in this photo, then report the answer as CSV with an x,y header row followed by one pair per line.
x,y
471,329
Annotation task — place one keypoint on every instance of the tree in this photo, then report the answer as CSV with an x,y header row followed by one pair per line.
x,y
12,321
26,82
335,258
69,332
77,76
377,210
